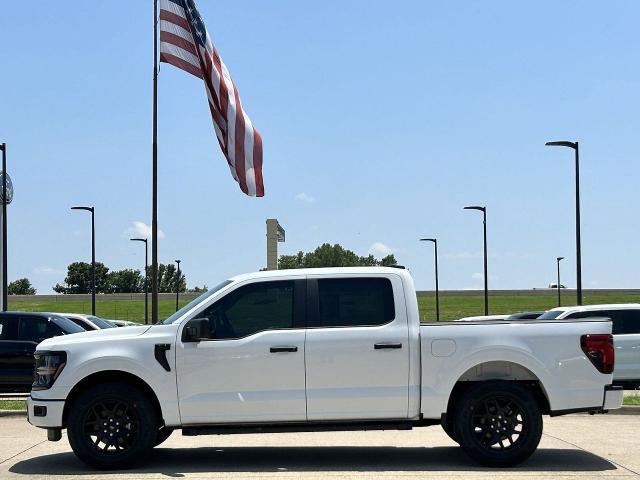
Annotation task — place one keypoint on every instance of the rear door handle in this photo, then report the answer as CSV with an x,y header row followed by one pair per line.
x,y
380,346
283,349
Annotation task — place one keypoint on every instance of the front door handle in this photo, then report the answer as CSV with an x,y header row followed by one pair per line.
x,y
283,349
380,346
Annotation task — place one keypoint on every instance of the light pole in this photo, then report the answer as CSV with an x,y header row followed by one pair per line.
x,y
93,255
146,283
178,284
486,279
5,194
435,244
576,149
558,260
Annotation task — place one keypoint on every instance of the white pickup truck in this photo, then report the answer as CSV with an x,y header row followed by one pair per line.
x,y
317,350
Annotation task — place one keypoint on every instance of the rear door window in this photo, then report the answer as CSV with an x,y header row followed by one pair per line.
x,y
355,302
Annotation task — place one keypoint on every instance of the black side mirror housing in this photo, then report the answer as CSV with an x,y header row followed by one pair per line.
x,y
196,330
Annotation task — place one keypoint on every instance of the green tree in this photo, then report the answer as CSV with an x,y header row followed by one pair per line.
x,y
126,281
167,274
78,279
327,255
22,286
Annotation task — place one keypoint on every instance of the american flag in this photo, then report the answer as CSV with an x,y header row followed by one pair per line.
x,y
185,43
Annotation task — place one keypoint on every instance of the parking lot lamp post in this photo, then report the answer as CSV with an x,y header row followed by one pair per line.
x,y
435,244
93,256
575,147
178,284
5,297
558,260
146,283
486,279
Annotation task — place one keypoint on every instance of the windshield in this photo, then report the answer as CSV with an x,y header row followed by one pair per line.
x,y
551,314
194,302
99,322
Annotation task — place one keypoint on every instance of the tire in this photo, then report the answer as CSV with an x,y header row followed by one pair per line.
x,y
447,425
498,423
112,426
162,435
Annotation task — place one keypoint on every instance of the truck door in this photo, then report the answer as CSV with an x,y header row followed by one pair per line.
x,y
250,368
356,351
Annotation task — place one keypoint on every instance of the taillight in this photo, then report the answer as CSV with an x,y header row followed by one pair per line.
x,y
598,347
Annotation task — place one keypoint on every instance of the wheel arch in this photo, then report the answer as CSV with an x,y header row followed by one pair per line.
x,y
109,376
500,370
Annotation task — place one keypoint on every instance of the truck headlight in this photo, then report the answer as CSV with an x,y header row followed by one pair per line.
x,y
48,366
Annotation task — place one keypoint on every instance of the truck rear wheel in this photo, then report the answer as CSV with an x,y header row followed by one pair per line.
x,y
112,426
498,423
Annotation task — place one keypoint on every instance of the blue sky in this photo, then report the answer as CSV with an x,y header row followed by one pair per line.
x,y
380,121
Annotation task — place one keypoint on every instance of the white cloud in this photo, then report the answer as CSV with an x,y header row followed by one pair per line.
x,y
303,197
141,229
46,270
480,276
379,249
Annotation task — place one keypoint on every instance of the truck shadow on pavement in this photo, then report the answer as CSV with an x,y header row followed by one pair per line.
x,y
174,462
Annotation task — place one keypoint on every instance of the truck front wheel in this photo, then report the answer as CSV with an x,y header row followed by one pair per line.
x,y
112,426
498,423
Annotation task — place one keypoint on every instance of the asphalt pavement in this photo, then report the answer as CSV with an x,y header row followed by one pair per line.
x,y
575,446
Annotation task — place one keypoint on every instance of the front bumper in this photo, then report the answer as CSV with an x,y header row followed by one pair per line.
x,y
613,397
45,413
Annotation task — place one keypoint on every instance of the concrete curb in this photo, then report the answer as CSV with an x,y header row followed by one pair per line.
x,y
13,413
626,410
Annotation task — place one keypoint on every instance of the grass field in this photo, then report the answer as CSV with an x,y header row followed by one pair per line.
x,y
453,305
132,310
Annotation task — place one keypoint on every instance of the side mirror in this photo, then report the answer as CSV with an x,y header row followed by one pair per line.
x,y
196,330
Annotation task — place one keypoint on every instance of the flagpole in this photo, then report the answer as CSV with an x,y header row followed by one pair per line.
x,y
154,208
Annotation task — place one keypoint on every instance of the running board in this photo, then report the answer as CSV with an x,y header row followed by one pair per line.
x,y
227,429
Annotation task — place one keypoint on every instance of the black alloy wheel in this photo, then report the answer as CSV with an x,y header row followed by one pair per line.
x,y
498,423
112,426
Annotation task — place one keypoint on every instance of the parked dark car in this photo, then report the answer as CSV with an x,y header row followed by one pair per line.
x,y
20,333
524,316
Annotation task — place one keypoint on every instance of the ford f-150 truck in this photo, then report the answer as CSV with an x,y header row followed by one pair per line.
x,y
317,350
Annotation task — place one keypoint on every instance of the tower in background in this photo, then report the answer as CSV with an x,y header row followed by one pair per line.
x,y
275,234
